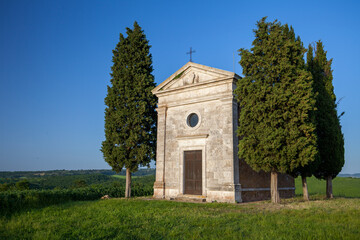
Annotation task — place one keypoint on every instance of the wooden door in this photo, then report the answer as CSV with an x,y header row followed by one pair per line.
x,y
193,172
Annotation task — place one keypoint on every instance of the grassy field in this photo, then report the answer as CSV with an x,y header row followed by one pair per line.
x,y
143,218
12,201
342,187
149,219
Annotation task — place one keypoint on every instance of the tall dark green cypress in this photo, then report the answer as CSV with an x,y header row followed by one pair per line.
x,y
130,116
328,128
309,169
276,130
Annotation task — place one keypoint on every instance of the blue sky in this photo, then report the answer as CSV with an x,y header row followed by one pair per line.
x,y
55,59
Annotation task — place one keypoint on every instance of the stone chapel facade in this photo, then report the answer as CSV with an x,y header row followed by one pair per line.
x,y
197,143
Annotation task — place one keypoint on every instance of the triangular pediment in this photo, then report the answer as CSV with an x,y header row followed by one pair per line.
x,y
192,74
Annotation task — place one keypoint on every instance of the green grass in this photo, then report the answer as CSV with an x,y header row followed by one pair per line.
x,y
12,201
148,219
342,187
142,218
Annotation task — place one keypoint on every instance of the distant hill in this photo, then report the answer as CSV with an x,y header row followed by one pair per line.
x,y
355,175
69,179
140,172
32,174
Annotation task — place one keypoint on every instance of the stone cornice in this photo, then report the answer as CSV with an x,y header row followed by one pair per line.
x,y
222,97
195,86
186,137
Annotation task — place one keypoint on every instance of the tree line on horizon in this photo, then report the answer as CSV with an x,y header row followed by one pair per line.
x,y
289,119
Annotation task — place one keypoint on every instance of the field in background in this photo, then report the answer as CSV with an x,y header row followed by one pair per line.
x,y
70,179
31,190
56,187
63,179
342,187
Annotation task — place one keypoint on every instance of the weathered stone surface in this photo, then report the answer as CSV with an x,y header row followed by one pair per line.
x,y
207,92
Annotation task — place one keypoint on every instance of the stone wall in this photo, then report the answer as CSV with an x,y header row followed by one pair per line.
x,y
255,186
250,196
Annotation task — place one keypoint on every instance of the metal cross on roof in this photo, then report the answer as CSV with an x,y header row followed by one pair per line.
x,y
191,52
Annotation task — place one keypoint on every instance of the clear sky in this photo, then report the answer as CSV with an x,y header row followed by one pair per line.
x,y
55,59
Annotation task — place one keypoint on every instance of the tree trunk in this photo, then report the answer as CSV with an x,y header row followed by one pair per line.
x,y
329,192
275,197
305,188
128,184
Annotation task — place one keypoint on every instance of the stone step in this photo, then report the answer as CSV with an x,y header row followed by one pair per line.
x,y
189,198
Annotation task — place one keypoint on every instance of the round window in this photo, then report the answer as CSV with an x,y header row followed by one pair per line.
x,y
192,120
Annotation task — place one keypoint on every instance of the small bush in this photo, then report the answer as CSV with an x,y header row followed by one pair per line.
x,y
23,185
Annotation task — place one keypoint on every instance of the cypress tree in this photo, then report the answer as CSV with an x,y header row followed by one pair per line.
x,y
277,133
309,169
328,128
130,116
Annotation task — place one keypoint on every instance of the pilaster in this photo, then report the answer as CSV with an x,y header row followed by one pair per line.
x,y
159,185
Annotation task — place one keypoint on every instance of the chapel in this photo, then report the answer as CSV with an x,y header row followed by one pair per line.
x,y
197,143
